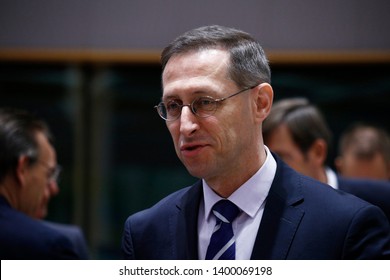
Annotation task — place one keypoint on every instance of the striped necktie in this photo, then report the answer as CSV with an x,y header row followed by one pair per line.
x,y
222,242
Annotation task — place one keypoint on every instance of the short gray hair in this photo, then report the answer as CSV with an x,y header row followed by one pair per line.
x,y
248,62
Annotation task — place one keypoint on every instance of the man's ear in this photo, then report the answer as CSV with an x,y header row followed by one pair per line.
x,y
22,169
263,101
318,152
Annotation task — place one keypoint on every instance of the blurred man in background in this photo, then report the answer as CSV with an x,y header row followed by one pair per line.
x,y
297,132
28,174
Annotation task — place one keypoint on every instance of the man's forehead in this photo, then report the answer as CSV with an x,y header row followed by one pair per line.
x,y
197,59
195,69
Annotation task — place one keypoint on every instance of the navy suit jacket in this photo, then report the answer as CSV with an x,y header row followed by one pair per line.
x,y
75,235
303,219
22,237
374,191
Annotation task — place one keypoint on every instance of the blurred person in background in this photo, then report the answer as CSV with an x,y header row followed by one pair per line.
x,y
364,152
73,232
297,131
28,174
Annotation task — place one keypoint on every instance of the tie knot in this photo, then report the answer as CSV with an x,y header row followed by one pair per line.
x,y
225,211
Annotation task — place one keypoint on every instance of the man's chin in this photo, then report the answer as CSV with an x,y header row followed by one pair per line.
x,y
196,171
41,214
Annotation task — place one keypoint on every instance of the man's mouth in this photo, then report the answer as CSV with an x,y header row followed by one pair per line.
x,y
191,150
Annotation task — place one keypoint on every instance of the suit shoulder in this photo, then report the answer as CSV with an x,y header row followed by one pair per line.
x,y
372,191
162,207
329,195
349,184
296,187
75,234
27,238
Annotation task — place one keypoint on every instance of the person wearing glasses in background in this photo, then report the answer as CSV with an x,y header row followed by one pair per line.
x,y
248,204
28,178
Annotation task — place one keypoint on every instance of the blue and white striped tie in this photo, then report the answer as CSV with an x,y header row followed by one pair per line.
x,y
222,242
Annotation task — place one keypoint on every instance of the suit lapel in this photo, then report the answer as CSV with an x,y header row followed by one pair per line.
x,y
279,224
281,215
185,223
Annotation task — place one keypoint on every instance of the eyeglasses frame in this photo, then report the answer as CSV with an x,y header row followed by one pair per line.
x,y
191,105
55,172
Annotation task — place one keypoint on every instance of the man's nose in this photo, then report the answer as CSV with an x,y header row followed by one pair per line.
x,y
188,121
53,188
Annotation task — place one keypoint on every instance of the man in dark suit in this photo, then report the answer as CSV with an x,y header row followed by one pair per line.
x,y
28,166
248,203
297,132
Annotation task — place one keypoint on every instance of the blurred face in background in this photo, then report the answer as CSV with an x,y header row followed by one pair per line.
x,y
38,184
281,142
350,165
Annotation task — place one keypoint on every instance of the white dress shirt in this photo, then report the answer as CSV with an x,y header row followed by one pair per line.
x,y
331,178
250,198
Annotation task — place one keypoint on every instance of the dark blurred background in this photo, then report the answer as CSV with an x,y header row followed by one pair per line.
x,y
91,69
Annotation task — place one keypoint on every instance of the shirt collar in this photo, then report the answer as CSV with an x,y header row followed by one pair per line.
x,y
331,178
251,195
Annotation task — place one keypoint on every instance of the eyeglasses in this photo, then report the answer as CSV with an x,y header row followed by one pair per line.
x,y
203,107
54,172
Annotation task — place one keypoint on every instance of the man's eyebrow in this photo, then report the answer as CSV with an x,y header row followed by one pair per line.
x,y
199,92
169,97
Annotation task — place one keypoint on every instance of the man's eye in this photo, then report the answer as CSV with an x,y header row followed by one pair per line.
x,y
205,103
173,106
